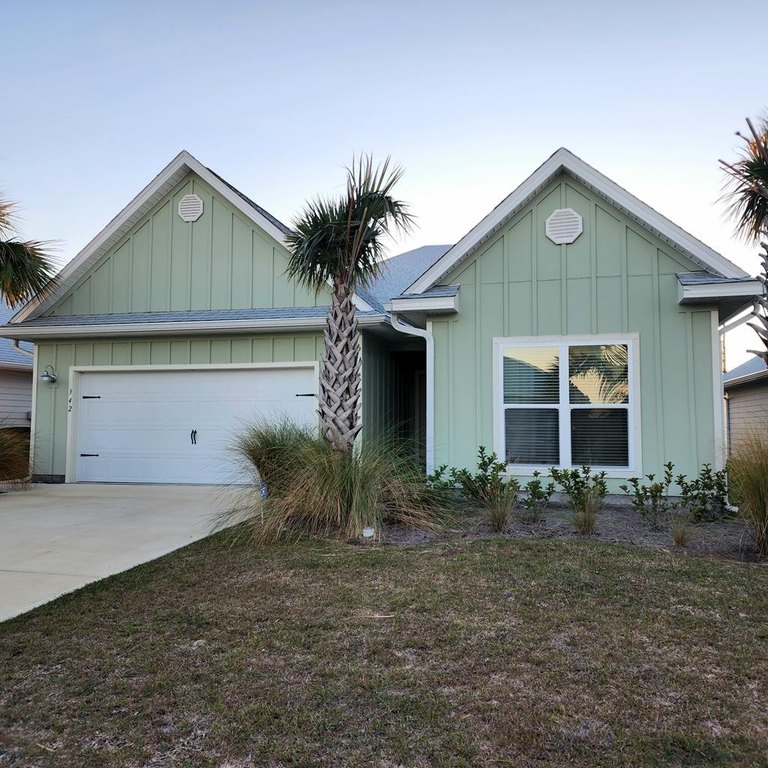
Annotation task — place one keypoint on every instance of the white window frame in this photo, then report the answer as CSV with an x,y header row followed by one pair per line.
x,y
630,340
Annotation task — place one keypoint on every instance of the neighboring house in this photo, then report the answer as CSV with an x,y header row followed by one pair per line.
x,y
746,397
573,324
15,379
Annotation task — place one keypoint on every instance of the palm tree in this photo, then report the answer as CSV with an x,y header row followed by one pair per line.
x,y
26,269
748,179
340,241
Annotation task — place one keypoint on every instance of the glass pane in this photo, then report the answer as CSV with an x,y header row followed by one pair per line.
x,y
599,437
531,375
532,436
598,374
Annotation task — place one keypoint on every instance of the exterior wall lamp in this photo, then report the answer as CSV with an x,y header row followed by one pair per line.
x,y
48,375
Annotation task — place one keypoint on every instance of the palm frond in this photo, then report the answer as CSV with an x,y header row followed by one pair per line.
x,y
342,240
26,271
747,184
26,267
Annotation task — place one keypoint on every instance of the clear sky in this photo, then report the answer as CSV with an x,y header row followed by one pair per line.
x,y
469,96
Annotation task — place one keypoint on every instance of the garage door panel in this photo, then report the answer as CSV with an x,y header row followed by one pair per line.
x,y
139,423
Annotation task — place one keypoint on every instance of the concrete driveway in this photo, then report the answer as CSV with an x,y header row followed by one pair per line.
x,y
57,538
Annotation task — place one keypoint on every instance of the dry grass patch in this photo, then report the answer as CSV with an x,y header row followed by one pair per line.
x,y
474,654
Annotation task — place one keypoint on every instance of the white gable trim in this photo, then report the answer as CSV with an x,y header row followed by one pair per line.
x,y
181,165
564,161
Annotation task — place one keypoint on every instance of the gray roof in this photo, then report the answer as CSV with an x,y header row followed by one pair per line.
x,y
400,271
708,278
436,291
8,355
201,316
753,366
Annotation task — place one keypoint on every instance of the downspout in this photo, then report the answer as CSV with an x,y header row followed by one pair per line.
x,y
411,330
21,349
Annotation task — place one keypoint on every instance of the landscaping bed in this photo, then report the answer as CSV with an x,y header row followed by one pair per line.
x,y
617,523
471,652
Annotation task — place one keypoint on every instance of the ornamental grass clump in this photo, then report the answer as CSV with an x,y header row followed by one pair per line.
x,y
14,454
586,495
748,475
309,488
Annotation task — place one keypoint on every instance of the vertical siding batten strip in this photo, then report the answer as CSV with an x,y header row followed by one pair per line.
x,y
624,278
592,231
690,384
563,252
534,270
657,355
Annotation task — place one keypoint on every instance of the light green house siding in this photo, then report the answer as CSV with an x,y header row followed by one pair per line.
x,y
615,278
221,261
51,413
379,386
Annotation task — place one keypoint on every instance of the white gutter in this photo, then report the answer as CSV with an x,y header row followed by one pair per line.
x,y
735,322
410,330
430,304
188,327
21,349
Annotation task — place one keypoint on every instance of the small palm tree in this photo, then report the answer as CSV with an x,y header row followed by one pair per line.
x,y
26,269
748,182
748,179
340,241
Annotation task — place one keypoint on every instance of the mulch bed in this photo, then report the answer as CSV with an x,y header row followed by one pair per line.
x,y
618,523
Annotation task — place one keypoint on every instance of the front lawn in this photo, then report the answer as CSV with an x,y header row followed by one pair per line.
x,y
477,653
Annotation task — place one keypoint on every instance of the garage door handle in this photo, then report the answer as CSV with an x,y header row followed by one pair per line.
x,y
193,436
89,454
306,394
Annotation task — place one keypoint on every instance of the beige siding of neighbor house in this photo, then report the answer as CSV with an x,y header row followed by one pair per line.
x,y
15,398
747,410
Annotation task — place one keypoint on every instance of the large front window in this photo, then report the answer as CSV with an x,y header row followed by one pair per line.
x,y
566,402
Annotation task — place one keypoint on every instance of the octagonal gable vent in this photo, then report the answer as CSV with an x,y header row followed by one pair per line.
x,y
564,225
190,208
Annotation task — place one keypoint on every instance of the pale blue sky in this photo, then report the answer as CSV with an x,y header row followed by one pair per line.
x,y
469,96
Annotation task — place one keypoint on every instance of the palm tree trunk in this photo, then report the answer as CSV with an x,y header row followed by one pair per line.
x,y
340,374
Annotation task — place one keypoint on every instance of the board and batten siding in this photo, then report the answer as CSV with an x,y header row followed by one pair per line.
x,y
379,409
747,410
616,278
15,398
221,261
50,438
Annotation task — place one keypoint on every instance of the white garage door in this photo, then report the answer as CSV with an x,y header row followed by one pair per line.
x,y
177,426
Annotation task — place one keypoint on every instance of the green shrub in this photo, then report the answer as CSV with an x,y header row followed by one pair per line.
x,y
483,484
14,454
748,473
312,489
536,498
705,497
488,486
586,495
652,500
